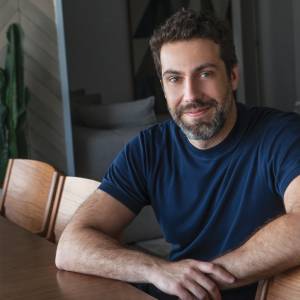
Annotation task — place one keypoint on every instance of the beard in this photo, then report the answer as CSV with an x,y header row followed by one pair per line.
x,y
200,129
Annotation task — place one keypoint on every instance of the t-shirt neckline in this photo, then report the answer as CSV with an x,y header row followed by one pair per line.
x,y
228,144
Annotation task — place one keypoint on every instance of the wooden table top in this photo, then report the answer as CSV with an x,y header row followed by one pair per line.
x,y
27,272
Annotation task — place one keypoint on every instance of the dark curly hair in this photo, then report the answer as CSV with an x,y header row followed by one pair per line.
x,y
185,25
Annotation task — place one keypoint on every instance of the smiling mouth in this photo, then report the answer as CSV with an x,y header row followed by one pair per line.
x,y
197,112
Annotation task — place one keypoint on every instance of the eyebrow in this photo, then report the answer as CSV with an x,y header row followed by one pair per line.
x,y
197,69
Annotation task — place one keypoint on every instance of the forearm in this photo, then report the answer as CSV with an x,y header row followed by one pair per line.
x,y
271,250
88,251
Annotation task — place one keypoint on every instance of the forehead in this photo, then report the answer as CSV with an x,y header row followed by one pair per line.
x,y
188,54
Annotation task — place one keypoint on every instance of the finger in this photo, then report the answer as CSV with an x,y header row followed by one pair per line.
x,y
216,270
182,293
197,290
208,284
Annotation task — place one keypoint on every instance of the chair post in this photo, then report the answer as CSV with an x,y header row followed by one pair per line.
x,y
54,190
5,185
262,289
57,196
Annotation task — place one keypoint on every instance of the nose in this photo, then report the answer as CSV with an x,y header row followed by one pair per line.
x,y
192,90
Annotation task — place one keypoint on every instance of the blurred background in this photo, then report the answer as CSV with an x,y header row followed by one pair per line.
x,y
93,85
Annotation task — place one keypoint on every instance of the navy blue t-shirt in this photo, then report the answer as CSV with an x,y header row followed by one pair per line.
x,y
209,202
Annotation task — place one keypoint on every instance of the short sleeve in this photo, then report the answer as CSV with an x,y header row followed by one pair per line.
x,y
286,152
125,179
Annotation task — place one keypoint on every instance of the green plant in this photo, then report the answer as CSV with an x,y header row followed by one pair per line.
x,y
14,97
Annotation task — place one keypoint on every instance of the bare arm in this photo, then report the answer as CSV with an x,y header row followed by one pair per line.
x,y
271,250
90,244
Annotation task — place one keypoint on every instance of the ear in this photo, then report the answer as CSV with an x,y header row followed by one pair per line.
x,y
234,77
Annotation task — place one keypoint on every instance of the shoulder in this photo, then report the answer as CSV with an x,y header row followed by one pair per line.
x,y
268,120
276,136
155,135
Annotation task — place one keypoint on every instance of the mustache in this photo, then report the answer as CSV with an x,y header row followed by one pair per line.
x,y
198,103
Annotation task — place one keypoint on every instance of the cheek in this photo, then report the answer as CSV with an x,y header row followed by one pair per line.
x,y
172,103
172,97
218,90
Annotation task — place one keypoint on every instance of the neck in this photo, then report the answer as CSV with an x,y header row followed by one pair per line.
x,y
222,134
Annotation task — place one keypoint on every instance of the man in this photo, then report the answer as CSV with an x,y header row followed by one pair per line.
x,y
223,180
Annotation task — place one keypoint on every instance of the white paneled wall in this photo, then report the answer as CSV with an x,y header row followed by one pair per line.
x,y
45,112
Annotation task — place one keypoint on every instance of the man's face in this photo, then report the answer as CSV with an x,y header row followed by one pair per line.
x,y
197,87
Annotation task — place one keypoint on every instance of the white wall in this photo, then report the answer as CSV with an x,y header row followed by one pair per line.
x,y
46,134
98,48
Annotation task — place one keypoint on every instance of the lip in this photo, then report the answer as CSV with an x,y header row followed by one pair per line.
x,y
197,112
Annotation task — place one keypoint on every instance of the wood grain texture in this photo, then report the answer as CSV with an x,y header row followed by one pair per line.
x,y
285,286
4,187
262,288
27,272
74,191
28,194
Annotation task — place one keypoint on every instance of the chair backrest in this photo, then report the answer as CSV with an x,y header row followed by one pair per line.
x,y
4,186
75,190
285,286
28,194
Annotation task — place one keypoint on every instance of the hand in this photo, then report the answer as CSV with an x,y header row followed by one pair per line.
x,y
191,279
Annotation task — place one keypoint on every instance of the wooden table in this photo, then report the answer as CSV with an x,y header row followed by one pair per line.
x,y
27,272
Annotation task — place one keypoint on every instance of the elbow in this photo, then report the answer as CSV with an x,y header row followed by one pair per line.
x,y
60,257
64,252
58,262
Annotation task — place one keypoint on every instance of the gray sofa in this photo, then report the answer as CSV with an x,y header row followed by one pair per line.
x,y
99,133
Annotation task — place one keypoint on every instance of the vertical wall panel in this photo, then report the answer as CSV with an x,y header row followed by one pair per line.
x,y
45,117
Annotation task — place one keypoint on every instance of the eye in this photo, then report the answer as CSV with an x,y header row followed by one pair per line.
x,y
206,74
173,79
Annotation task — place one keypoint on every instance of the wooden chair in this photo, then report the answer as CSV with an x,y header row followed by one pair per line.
x,y
285,286
73,192
28,193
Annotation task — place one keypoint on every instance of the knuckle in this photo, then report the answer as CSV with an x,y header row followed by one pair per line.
x,y
205,264
187,274
213,267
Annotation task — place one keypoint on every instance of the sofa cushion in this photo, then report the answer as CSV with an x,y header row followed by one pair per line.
x,y
79,101
116,115
159,247
95,148
143,227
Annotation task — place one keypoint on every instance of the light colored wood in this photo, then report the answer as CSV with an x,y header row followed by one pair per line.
x,y
262,289
32,67
4,187
285,286
28,272
41,65
47,7
39,39
28,194
7,12
40,18
74,191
